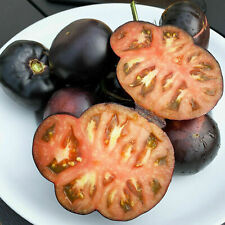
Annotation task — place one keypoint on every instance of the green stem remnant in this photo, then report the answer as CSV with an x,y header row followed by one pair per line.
x,y
36,66
134,10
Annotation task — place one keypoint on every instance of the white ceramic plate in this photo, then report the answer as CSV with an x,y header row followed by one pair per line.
x,y
190,200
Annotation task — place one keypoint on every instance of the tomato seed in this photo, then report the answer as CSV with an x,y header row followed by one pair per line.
x,y
73,193
170,35
125,202
199,76
126,206
176,100
127,151
194,105
58,167
49,133
155,186
79,159
167,81
108,178
210,92
204,66
152,141
161,161
128,67
144,40
71,163
135,187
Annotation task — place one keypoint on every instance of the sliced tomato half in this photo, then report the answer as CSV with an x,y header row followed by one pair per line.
x,y
165,72
111,160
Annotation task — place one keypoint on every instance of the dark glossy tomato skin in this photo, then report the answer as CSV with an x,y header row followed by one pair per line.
x,y
110,90
196,143
69,100
80,54
24,73
150,116
189,17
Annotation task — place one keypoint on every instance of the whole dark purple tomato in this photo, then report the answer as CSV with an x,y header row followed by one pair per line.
x,y
110,91
69,100
189,17
24,73
196,143
81,54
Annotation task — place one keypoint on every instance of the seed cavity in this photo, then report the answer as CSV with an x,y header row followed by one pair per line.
x,y
111,197
169,37
210,92
135,187
152,141
69,147
92,126
194,56
67,156
146,78
174,103
128,67
155,186
204,66
143,41
161,161
75,189
56,167
151,144
73,193
127,151
113,132
194,105
49,133
199,75
125,202
167,81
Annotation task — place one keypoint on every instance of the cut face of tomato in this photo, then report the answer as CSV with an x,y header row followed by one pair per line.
x,y
111,160
165,72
